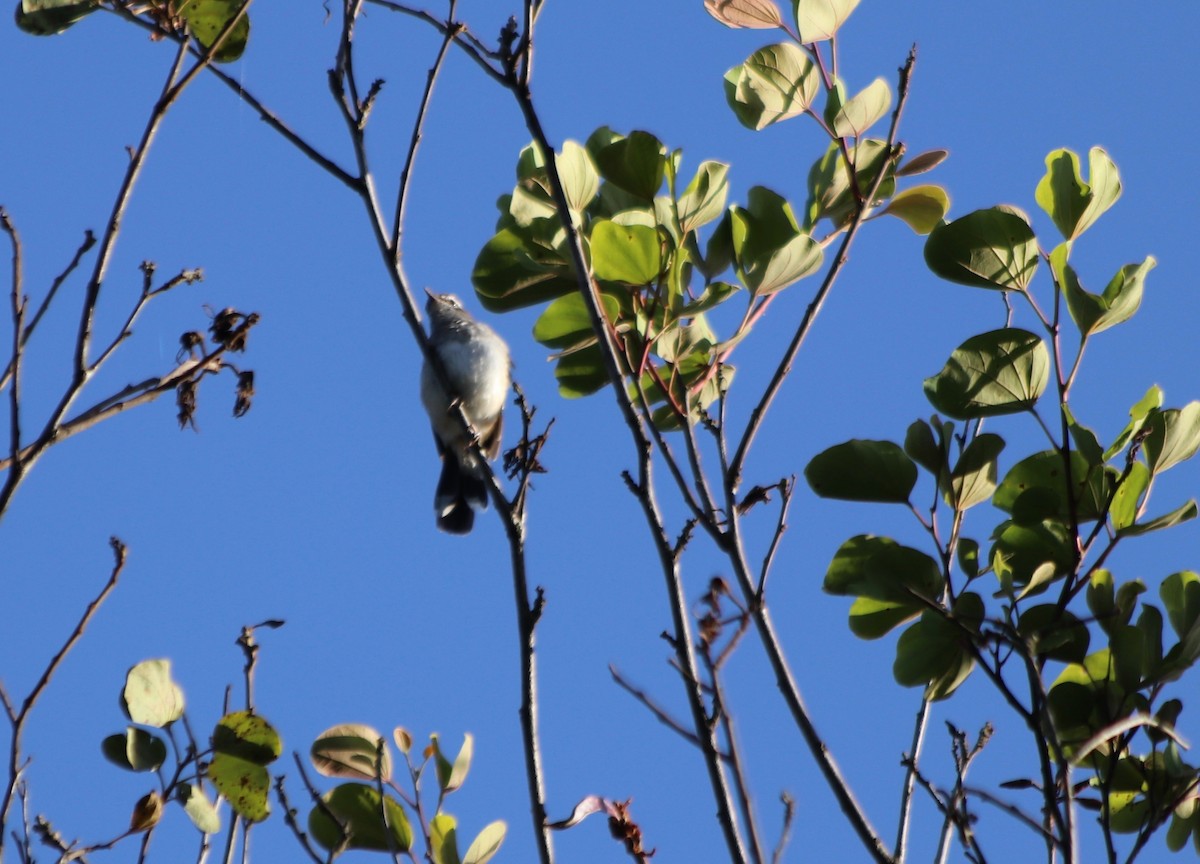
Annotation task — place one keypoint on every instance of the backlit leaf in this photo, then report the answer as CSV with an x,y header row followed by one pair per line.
x,y
818,20
922,207
753,14
1000,372
1073,204
992,248
773,84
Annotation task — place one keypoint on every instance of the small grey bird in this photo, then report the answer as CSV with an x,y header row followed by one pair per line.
x,y
476,363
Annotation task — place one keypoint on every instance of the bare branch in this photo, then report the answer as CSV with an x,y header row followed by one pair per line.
x,y
452,30
19,718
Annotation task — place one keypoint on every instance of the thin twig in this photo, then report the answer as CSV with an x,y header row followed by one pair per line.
x,y
657,710
911,761
418,125
19,717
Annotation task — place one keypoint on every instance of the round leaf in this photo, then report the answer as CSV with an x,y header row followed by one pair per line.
x,y
565,323
882,569
818,20
207,18
244,784
351,750
625,253
247,736
799,257
861,470
151,697
357,807
992,248
136,750
199,809
1001,372
775,83
443,838
922,207
857,115
636,163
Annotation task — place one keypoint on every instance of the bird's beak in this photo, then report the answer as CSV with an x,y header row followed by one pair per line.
x,y
432,296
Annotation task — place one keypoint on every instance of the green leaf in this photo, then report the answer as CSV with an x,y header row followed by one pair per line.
x,y
872,619
818,20
974,477
766,225
922,207
443,837
200,810
580,373
1067,199
968,557
933,652
1183,513
704,198
992,248
136,750
714,294
753,14
861,470
451,776
881,569
243,744
151,697
1174,436
1042,576
1101,597
247,736
1036,488
1019,550
351,750
799,257
1152,400
830,194
625,253
1093,313
244,784
207,18
565,323
580,181
636,164
357,807
773,84
486,844
50,17
1001,372
921,446
513,270
1085,439
1180,593
1054,633
854,117
1128,499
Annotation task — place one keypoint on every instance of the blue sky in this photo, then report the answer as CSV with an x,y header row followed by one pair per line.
x,y
315,507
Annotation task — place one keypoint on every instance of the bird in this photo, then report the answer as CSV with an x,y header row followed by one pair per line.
x,y
477,367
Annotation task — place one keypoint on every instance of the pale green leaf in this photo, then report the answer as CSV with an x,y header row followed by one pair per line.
x,y
775,83
922,207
